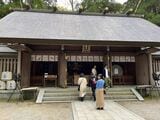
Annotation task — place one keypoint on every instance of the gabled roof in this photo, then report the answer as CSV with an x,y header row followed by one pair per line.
x,y
53,26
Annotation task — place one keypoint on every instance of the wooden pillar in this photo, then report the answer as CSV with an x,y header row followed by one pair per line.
x,y
1,66
142,69
62,70
25,69
19,62
150,69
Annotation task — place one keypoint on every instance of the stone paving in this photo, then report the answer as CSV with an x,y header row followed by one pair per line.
x,y
86,110
31,111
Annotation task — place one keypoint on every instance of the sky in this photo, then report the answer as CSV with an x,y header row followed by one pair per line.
x,y
66,4
121,1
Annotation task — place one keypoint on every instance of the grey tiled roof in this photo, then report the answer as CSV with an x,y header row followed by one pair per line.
x,y
77,27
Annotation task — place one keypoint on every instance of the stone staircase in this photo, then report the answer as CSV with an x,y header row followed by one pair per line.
x,y
71,94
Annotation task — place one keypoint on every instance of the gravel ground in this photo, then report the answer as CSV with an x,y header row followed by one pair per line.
x,y
148,109
32,111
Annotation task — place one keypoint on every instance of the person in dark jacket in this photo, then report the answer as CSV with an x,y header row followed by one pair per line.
x,y
92,83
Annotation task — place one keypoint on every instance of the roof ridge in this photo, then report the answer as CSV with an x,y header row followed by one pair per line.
x,y
77,13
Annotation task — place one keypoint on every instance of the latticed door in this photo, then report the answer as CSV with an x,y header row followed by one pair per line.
x,y
8,64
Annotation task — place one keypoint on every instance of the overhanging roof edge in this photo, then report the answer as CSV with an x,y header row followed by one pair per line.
x,y
70,41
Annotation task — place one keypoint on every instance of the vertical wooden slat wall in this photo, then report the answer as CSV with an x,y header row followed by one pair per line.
x,y
8,64
156,65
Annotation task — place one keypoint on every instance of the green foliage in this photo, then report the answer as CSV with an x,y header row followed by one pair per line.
x,y
154,18
150,8
5,9
115,7
37,4
100,5
130,4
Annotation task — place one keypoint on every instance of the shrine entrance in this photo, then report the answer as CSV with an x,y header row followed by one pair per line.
x,y
75,68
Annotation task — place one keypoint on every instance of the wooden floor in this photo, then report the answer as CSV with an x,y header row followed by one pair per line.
x,y
113,111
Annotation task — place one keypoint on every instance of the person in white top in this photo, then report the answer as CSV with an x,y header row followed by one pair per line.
x,y
94,71
106,77
82,82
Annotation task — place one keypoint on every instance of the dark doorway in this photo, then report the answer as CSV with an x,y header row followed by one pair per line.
x,y
75,68
39,68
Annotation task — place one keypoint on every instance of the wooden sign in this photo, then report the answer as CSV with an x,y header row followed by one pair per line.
x,y
38,57
33,58
68,58
112,58
100,58
96,58
73,58
128,59
116,58
79,58
122,59
90,58
84,58
45,57
56,57
132,59
51,58
86,48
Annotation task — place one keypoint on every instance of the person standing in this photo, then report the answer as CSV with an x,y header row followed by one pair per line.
x,y
92,83
94,71
82,82
100,85
105,74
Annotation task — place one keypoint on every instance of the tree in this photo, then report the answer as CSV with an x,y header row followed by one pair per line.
x,y
149,8
50,3
1,3
7,8
34,4
100,5
74,4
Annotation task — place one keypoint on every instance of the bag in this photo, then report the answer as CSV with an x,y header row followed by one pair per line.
x,y
104,91
78,87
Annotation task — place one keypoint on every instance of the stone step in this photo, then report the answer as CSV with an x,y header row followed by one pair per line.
x,y
116,100
119,93
72,94
88,90
88,93
68,98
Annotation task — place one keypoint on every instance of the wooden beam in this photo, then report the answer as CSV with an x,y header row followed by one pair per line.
x,y
148,50
21,47
152,50
78,42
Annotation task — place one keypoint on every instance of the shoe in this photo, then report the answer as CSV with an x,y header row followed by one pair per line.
x,y
102,108
98,108
82,99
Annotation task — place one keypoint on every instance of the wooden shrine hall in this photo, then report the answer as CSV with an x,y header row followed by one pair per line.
x,y
54,48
